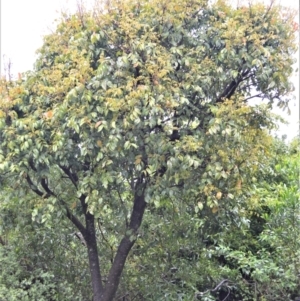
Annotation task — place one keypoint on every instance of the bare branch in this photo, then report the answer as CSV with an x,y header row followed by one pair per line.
x,y
222,283
253,96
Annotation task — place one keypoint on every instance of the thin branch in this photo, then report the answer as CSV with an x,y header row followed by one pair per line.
x,y
214,289
105,239
256,95
124,208
123,297
69,214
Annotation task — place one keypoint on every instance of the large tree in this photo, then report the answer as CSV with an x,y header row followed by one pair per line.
x,y
141,103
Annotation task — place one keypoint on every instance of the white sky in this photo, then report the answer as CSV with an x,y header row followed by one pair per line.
x,y
25,22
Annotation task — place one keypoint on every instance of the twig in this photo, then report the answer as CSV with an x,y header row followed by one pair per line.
x,y
214,289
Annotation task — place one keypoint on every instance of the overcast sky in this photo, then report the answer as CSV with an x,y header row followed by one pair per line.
x,y
25,22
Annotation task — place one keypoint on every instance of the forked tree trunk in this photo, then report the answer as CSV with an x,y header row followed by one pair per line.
x,y
124,248
108,292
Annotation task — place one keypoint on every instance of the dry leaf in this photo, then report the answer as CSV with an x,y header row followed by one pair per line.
x,y
215,209
48,114
98,123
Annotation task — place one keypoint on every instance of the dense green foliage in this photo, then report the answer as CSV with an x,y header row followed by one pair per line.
x,y
142,113
179,252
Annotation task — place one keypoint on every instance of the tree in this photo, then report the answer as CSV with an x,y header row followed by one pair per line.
x,y
138,105
282,198
39,260
264,256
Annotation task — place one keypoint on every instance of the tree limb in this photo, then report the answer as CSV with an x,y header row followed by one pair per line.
x,y
74,219
230,89
73,177
44,183
214,289
34,188
31,164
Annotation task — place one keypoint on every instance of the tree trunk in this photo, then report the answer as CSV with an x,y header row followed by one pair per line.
x,y
124,249
94,264
108,292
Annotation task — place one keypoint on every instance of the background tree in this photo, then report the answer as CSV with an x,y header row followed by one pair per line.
x,y
141,105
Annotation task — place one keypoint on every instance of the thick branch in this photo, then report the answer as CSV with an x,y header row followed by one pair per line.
x,y
83,203
34,188
74,219
44,183
73,177
30,162
81,238
230,89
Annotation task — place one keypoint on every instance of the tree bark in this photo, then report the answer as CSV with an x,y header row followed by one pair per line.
x,y
94,264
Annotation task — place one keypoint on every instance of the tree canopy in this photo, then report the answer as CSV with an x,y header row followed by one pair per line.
x,y
140,106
